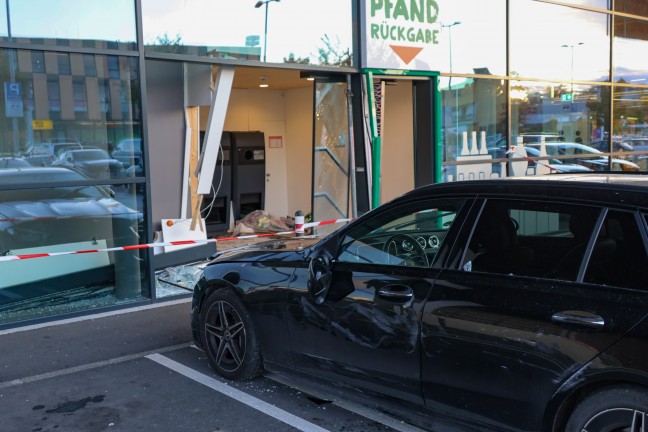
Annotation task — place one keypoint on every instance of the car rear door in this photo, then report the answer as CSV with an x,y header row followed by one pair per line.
x,y
523,305
366,332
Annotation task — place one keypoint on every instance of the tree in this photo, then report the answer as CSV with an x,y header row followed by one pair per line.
x,y
298,60
331,54
165,44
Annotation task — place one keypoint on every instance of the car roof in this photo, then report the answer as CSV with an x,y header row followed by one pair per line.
x,y
618,189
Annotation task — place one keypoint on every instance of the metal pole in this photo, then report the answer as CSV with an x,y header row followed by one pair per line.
x,y
12,78
265,32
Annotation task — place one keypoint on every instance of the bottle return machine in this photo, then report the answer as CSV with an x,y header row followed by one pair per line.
x,y
241,166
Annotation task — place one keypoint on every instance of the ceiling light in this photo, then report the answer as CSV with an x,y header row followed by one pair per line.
x,y
263,81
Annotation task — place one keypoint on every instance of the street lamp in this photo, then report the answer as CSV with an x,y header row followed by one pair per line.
x,y
572,62
265,32
449,27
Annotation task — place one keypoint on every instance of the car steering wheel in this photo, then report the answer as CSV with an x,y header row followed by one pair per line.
x,y
407,249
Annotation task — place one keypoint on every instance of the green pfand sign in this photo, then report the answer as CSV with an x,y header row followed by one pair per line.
x,y
404,20
401,34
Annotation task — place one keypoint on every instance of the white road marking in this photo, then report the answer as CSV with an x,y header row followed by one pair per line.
x,y
360,410
237,395
88,366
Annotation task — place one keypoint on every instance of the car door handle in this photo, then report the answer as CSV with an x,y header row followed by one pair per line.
x,y
396,292
582,318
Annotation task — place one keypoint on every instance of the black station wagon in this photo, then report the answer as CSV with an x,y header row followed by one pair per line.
x,y
516,304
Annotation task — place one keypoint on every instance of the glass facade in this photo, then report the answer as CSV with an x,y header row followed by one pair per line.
x,y
67,182
70,23
303,32
571,101
73,162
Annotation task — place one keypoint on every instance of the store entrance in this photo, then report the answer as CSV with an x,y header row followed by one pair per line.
x,y
407,127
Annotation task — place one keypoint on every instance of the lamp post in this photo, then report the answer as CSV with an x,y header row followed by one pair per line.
x,y
449,27
572,63
265,31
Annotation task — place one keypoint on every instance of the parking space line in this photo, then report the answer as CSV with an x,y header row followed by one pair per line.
x,y
88,366
251,401
360,410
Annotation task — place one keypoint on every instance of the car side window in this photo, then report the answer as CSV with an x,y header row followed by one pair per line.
x,y
409,235
537,239
619,256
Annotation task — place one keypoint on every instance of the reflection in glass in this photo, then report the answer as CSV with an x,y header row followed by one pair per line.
x,y
631,124
74,114
67,218
331,173
574,43
305,31
561,127
460,51
630,40
72,20
474,125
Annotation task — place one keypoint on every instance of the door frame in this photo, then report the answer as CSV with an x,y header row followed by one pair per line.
x,y
427,148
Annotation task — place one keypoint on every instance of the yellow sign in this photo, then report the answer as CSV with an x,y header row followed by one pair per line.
x,y
42,124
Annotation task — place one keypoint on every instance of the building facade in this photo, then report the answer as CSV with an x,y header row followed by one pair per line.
x,y
125,121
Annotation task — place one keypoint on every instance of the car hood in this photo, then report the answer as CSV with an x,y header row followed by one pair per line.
x,y
274,250
59,208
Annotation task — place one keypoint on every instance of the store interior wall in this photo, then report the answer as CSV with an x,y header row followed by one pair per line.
x,y
277,113
397,160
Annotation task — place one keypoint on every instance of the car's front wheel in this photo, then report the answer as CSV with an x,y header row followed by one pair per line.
x,y
617,409
229,337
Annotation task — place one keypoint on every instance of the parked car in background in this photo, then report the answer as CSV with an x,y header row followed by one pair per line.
x,y
589,157
93,163
51,216
636,150
44,153
513,304
13,162
129,152
555,165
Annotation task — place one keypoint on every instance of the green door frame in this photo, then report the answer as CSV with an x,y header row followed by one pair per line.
x,y
376,144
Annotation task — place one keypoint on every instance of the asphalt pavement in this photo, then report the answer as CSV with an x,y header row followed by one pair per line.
x,y
137,370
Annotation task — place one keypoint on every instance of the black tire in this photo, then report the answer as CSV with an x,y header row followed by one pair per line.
x,y
616,409
228,336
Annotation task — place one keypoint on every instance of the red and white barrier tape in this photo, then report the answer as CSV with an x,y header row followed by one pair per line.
x,y
163,244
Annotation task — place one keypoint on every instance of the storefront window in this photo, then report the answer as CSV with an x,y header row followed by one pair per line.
x,y
631,124
304,31
76,121
574,43
58,139
54,220
630,39
103,24
472,37
474,127
560,127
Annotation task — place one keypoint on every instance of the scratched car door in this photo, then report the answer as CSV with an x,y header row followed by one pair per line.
x,y
365,333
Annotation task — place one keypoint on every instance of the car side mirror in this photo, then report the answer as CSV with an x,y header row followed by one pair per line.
x,y
319,278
